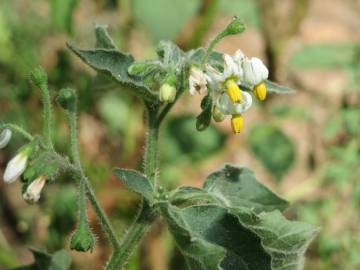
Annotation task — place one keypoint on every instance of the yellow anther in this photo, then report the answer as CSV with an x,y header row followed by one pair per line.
x,y
233,91
260,91
237,123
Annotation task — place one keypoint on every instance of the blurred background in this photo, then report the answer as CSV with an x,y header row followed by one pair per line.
x,y
305,146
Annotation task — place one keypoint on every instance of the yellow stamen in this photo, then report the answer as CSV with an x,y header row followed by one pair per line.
x,y
233,91
237,123
260,91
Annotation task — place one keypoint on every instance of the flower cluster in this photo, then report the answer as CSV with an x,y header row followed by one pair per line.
x,y
17,165
224,86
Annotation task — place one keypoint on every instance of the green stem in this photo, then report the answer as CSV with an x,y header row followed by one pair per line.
x,y
47,115
146,214
103,220
17,129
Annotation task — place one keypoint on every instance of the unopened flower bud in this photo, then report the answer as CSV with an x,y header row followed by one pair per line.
x,y
67,99
236,26
5,137
33,191
82,240
217,115
167,93
38,76
17,165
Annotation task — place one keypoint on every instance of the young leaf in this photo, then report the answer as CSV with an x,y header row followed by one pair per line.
x,y
137,182
103,39
204,118
115,64
171,54
238,187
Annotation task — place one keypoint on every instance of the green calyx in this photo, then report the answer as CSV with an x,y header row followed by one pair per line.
x,y
168,88
67,99
38,76
82,240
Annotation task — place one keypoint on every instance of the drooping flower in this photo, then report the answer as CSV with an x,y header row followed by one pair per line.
x,y
255,74
17,165
227,107
198,81
231,77
5,137
167,93
33,191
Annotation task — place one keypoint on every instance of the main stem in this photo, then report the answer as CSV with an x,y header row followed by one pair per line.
x,y
146,215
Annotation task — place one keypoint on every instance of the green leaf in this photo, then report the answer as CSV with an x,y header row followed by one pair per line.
x,y
211,238
195,57
115,64
103,39
60,260
286,241
203,120
137,182
190,195
273,148
170,53
277,88
237,187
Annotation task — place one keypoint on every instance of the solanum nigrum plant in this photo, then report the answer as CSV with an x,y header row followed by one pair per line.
x,y
232,221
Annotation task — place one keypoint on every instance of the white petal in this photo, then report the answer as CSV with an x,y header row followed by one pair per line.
x,y
245,105
230,67
238,56
197,81
5,137
224,104
33,191
15,167
260,69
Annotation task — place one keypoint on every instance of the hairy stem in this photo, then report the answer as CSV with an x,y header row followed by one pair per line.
x,y
146,215
47,115
103,220
17,129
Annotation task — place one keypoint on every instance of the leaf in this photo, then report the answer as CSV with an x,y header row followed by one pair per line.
x,y
203,120
277,88
211,238
137,182
190,195
273,148
114,64
286,241
171,54
215,59
103,39
60,260
237,187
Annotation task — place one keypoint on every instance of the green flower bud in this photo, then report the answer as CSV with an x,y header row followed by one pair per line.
x,y
217,115
167,93
82,240
38,76
67,99
236,26
138,68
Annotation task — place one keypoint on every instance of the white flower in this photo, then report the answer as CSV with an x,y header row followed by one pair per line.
x,y
33,191
255,72
227,107
5,137
197,81
15,167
